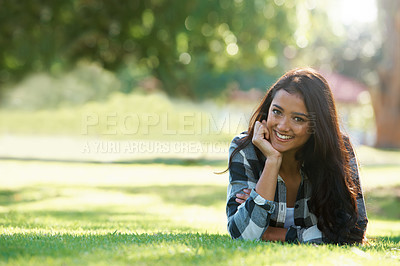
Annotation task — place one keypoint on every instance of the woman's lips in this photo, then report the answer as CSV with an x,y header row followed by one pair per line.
x,y
283,137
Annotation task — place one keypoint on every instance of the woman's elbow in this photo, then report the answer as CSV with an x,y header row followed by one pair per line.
x,y
247,234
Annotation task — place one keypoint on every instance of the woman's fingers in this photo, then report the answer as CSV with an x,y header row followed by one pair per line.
x,y
261,131
258,132
261,136
266,132
261,139
239,200
242,197
257,128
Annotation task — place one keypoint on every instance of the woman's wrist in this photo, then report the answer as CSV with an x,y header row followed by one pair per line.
x,y
266,185
274,160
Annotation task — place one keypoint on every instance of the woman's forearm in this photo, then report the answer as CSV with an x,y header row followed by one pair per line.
x,y
274,234
266,185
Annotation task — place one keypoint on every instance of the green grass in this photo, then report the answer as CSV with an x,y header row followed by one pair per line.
x,y
184,249
158,214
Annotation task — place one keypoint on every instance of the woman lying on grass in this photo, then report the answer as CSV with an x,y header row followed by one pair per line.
x,y
293,175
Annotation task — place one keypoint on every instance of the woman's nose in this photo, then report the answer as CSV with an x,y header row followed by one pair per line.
x,y
283,124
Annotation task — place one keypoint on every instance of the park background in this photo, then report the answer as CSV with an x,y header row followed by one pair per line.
x,y
116,115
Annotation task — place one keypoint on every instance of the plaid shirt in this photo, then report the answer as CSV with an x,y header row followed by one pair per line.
x,y
250,219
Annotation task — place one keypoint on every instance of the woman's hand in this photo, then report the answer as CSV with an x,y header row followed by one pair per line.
x,y
242,197
261,138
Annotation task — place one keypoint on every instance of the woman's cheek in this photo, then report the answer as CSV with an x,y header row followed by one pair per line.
x,y
270,122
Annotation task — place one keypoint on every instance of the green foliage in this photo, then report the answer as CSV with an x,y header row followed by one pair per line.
x,y
86,82
187,45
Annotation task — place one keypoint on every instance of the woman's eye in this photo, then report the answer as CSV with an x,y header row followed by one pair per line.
x,y
276,111
299,119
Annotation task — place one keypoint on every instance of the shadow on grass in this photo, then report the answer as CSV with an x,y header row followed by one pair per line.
x,y
203,195
383,203
104,219
26,195
7,197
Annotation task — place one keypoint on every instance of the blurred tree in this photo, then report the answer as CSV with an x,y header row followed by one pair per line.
x,y
188,45
386,99
368,52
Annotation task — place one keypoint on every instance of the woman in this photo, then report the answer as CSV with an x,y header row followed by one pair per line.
x,y
293,175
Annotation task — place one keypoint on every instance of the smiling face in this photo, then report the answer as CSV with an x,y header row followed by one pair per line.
x,y
288,122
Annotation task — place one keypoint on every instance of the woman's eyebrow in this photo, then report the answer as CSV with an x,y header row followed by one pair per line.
x,y
295,113
277,106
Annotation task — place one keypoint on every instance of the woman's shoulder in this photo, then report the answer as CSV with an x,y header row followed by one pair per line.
x,y
248,150
239,138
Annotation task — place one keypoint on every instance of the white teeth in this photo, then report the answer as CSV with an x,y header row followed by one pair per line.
x,y
283,136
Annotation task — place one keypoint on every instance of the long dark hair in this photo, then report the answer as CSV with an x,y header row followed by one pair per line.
x,y
324,158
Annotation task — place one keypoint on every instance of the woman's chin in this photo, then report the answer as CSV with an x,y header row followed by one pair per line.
x,y
282,148
279,148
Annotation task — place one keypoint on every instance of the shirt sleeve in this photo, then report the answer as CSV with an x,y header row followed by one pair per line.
x,y
304,235
250,219
313,234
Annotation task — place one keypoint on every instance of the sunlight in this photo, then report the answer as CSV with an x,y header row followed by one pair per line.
x,y
357,11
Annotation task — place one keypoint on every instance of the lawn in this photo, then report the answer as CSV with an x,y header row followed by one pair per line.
x,y
59,213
